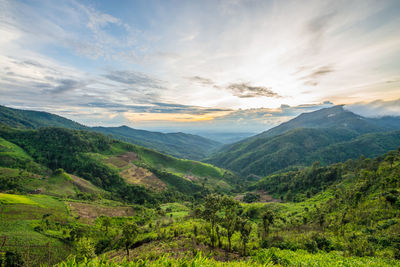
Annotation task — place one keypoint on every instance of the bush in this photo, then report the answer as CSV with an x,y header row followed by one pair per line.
x,y
250,197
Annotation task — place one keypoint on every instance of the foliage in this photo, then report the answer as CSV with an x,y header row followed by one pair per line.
x,y
328,136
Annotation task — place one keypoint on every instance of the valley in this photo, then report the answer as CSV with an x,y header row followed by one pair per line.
x,y
74,195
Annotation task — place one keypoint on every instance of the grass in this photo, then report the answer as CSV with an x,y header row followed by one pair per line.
x,y
273,257
19,214
16,199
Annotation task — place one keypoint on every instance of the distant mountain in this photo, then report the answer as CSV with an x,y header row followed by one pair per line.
x,y
176,144
226,137
328,135
335,117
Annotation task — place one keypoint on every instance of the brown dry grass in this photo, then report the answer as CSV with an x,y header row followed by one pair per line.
x,y
141,176
122,160
84,185
89,212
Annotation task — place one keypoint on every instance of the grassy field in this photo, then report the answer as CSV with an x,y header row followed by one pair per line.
x,y
19,214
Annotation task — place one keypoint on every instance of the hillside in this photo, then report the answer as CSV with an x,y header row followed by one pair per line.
x,y
328,135
342,214
335,117
176,144
29,119
109,163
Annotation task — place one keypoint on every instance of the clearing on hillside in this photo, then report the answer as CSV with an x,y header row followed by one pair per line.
x,y
141,176
88,212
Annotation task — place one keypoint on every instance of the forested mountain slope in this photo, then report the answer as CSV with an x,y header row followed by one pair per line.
x,y
131,172
176,144
328,135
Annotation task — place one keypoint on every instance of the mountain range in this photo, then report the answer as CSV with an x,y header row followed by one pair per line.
x,y
180,145
328,135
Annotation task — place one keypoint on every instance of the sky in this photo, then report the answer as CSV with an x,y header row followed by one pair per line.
x,y
221,65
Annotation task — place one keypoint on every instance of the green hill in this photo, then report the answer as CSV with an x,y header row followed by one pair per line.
x,y
180,145
328,135
128,170
176,144
29,119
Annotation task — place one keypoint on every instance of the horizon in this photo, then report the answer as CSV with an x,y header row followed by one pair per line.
x,y
221,66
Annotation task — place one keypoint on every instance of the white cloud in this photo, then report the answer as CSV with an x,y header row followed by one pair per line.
x,y
377,108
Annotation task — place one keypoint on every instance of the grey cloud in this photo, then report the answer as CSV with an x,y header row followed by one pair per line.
x,y
316,28
66,85
244,90
28,62
201,80
155,107
133,78
319,25
312,78
266,117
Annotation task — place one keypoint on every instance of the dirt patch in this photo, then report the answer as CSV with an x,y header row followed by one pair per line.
x,y
84,185
122,160
191,178
89,212
141,176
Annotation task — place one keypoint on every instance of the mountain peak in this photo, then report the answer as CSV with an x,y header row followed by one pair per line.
x,y
332,117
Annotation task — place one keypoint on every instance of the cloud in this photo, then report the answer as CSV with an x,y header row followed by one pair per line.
x,y
317,28
245,90
378,108
201,80
313,77
133,78
66,85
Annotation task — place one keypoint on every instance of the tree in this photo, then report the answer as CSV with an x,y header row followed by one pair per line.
x,y
267,220
211,208
244,228
390,158
129,233
250,197
106,222
229,221
85,248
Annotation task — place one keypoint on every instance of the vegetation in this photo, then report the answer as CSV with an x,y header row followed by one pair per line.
x,y
176,144
179,145
328,136
79,198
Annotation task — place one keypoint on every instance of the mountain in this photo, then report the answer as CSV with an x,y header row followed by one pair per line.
x,y
328,135
176,144
29,119
335,117
131,172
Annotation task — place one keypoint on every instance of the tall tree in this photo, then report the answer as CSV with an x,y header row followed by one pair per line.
x,y
230,207
244,228
212,206
129,233
267,220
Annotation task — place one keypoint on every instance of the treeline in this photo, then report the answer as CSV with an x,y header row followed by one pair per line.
x,y
304,183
